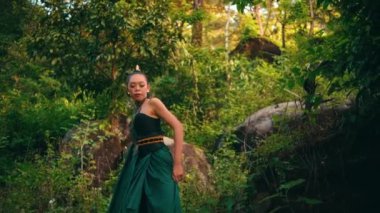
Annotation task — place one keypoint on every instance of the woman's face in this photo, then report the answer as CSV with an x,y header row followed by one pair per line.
x,y
138,87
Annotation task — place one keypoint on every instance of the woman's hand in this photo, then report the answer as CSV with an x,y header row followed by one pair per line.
x,y
178,172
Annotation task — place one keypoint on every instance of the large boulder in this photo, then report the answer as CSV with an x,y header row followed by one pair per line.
x,y
262,123
195,161
257,48
99,151
96,147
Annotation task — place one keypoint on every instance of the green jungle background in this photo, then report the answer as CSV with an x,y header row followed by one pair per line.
x,y
63,65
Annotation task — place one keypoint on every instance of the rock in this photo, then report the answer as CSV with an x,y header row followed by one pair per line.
x,y
194,160
257,47
99,151
103,151
261,124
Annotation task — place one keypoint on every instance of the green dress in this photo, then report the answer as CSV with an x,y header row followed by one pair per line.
x,y
145,183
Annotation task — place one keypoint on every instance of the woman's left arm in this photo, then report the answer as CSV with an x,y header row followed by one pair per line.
x,y
162,112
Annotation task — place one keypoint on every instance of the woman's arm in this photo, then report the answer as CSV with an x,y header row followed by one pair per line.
x,y
161,111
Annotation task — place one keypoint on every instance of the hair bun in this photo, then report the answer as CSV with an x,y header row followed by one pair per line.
x,y
136,71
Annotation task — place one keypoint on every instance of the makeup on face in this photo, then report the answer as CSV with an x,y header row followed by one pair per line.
x,y
138,87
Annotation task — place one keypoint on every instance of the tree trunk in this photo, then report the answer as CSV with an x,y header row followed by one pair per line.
x,y
196,90
197,26
227,44
283,34
258,19
227,33
311,4
269,8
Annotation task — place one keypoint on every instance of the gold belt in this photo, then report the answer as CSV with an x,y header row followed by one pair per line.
x,y
150,140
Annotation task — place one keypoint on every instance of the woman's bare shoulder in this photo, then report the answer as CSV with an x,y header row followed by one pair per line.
x,y
156,101
157,105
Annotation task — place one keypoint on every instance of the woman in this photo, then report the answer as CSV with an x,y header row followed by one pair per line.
x,y
148,181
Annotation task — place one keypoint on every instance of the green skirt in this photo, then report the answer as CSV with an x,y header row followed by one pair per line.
x,y
145,183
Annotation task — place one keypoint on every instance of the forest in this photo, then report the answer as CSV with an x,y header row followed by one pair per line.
x,y
280,101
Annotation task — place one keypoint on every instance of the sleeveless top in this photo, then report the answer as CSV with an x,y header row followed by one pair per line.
x,y
146,126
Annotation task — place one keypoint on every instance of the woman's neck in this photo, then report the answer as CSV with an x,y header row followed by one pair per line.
x,y
140,103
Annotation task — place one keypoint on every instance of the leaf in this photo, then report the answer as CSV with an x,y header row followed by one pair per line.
x,y
277,208
270,197
319,2
54,61
291,184
309,201
296,71
291,84
230,203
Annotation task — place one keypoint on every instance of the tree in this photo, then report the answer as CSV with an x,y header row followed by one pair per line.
x,y
93,44
13,15
286,12
197,28
312,16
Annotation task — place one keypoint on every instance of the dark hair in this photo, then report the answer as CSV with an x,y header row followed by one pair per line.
x,y
135,73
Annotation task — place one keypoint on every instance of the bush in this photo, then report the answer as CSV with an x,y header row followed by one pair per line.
x,y
48,184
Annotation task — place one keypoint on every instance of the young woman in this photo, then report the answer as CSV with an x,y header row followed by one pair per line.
x,y
148,181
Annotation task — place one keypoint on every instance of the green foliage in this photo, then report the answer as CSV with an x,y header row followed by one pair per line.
x,y
13,15
27,127
212,96
230,180
248,27
93,43
293,12
52,179
355,48
305,64
274,145
283,193
226,192
242,4
63,62
196,197
273,167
